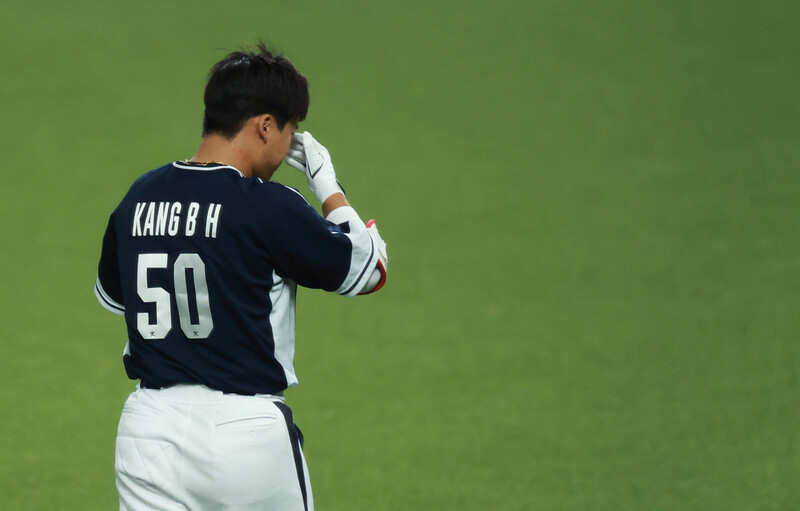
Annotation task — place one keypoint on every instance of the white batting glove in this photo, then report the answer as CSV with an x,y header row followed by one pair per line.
x,y
380,245
312,159
378,277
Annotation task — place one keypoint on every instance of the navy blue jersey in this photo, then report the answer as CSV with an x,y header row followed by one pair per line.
x,y
203,263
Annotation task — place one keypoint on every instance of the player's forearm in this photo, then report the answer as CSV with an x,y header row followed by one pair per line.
x,y
335,201
304,154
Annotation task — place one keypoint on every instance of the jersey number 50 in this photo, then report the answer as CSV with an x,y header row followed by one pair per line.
x,y
192,303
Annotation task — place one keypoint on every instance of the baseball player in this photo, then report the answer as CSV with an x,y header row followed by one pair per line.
x,y
203,257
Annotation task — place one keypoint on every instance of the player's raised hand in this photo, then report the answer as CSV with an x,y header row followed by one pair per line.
x,y
312,159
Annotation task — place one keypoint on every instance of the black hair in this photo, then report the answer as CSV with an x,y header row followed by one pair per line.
x,y
249,83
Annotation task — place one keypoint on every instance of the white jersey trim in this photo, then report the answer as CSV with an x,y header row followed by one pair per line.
x,y
106,301
295,190
283,296
205,168
364,257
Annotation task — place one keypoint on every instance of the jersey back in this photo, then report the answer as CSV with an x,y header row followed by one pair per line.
x,y
203,263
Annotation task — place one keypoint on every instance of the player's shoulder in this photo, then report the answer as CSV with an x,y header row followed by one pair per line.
x,y
151,174
272,192
142,183
260,194
185,174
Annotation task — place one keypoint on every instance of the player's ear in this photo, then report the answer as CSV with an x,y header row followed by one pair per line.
x,y
264,123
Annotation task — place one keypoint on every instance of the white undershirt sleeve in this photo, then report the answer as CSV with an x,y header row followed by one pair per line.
x,y
364,257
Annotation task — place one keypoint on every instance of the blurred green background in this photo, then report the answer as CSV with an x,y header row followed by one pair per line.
x,y
591,213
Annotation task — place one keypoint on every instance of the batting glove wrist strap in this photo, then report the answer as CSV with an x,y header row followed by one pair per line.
x,y
314,161
343,215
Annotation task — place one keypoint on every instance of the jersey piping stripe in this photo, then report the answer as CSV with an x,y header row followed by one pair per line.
x,y
206,168
106,301
295,190
367,266
294,437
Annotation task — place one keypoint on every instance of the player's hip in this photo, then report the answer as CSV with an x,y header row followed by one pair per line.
x,y
220,446
197,407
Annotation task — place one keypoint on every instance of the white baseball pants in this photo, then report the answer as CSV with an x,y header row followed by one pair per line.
x,y
191,448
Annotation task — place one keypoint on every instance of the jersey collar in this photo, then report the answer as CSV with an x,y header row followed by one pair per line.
x,y
193,165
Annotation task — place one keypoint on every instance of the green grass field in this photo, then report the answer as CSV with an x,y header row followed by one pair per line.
x,y
591,213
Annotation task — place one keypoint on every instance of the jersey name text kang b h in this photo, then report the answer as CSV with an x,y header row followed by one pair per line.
x,y
175,218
